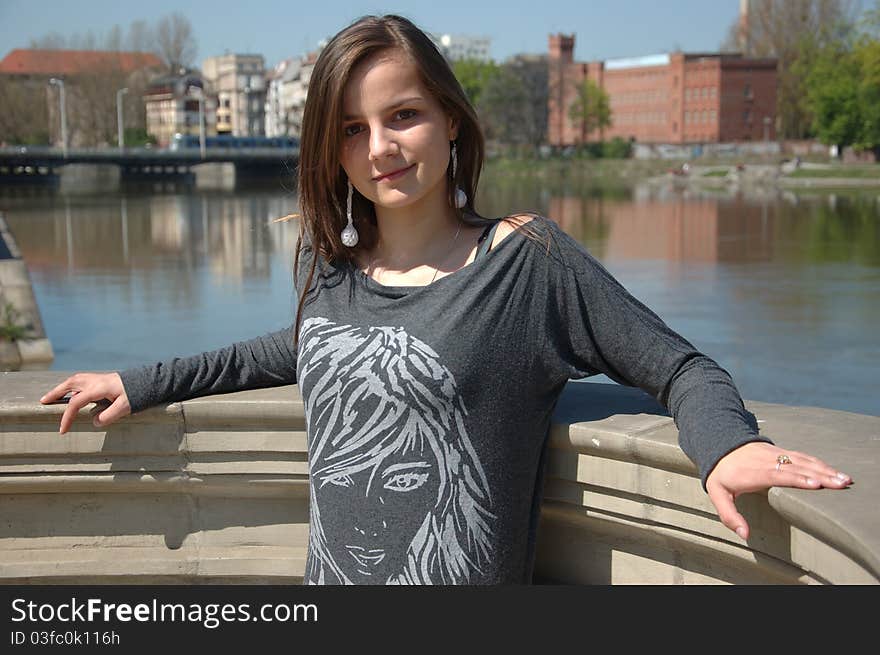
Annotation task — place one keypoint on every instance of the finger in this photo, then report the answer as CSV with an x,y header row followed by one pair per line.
x,y
727,512
77,402
58,391
827,476
107,415
789,476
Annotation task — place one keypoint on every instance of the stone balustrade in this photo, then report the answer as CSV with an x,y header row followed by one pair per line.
x,y
215,490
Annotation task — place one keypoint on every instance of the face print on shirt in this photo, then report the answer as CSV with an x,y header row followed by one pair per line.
x,y
397,494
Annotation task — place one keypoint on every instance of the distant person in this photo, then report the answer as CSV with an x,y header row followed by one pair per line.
x,y
431,344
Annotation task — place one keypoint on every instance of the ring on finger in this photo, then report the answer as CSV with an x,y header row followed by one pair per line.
x,y
782,459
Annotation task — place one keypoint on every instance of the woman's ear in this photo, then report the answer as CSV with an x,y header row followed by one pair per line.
x,y
453,129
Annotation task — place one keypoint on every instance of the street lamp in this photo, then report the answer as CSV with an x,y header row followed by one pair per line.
x,y
201,96
120,139
60,84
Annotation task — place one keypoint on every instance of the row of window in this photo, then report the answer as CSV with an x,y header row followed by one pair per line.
x,y
636,118
639,97
705,92
705,116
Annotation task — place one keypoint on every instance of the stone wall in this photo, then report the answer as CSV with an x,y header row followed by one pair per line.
x,y
215,490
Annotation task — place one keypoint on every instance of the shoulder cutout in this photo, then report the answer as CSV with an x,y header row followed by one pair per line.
x,y
508,224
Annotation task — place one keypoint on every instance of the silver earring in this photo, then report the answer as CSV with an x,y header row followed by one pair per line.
x,y
349,233
460,196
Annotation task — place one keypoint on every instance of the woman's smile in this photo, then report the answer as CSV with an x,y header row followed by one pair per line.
x,y
394,175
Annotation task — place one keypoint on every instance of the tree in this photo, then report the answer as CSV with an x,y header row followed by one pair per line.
x,y
175,42
832,97
500,108
591,108
473,75
794,32
842,88
533,73
25,116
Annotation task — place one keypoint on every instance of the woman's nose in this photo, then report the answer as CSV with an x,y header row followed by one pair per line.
x,y
382,143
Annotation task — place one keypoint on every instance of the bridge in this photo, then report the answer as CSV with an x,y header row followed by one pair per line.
x,y
42,163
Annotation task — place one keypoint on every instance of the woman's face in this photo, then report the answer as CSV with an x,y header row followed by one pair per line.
x,y
395,143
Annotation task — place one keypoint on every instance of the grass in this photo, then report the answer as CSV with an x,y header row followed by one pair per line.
x,y
870,171
10,330
715,174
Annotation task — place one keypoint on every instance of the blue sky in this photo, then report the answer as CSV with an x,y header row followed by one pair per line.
x,y
603,28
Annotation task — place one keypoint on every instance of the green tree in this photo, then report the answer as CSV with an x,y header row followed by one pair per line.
x,y
591,108
832,96
474,75
867,55
843,88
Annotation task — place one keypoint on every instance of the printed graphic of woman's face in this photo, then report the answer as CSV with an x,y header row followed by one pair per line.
x,y
389,500
395,143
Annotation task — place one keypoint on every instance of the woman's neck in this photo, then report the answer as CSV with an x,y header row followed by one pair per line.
x,y
413,236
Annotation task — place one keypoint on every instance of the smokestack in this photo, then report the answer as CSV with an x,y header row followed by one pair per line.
x,y
745,45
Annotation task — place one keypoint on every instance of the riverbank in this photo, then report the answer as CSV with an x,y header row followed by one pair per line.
x,y
717,173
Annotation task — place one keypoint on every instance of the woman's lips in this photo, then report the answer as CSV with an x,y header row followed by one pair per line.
x,y
390,177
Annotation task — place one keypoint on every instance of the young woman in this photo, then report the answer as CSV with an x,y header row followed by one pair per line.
x,y
431,344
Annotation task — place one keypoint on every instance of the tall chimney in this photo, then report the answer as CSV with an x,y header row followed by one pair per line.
x,y
745,41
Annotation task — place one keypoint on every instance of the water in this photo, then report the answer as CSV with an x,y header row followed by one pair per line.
x,y
782,290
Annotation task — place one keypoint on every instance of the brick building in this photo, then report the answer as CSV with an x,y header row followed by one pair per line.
x,y
667,98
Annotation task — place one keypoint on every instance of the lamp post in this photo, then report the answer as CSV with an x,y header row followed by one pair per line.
x,y
60,84
201,95
120,138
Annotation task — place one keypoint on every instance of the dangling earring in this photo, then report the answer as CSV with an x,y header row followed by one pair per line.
x,y
349,233
460,196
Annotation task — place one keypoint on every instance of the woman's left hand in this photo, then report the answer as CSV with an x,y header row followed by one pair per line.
x,y
754,467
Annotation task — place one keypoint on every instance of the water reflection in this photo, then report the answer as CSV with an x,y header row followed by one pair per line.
x,y
781,289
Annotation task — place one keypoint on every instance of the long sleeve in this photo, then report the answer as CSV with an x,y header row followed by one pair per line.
x,y
266,361
595,326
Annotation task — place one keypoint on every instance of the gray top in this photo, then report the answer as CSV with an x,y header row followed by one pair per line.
x,y
428,408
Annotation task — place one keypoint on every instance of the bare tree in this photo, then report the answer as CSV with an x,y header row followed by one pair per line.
x,y
51,41
175,41
791,31
140,37
25,117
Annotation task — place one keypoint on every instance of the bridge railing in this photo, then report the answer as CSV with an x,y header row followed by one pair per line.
x,y
216,490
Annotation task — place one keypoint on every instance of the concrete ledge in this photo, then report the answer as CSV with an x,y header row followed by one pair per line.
x,y
34,351
215,491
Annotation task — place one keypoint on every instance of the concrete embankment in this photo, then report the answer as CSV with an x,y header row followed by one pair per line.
x,y
23,342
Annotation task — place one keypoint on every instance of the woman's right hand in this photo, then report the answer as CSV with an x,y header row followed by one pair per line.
x,y
88,388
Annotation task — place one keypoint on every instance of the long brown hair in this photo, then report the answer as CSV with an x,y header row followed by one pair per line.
x,y
322,183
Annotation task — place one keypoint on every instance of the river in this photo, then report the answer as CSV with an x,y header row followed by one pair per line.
x,y
783,290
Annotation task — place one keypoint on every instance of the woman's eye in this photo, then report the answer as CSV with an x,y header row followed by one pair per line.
x,y
403,114
351,130
406,481
339,481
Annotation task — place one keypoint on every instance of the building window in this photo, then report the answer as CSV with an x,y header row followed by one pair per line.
x,y
747,90
747,116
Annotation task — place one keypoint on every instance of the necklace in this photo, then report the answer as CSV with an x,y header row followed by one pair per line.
x,y
436,269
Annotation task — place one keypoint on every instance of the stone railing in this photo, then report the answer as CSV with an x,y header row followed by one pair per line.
x,y
214,490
